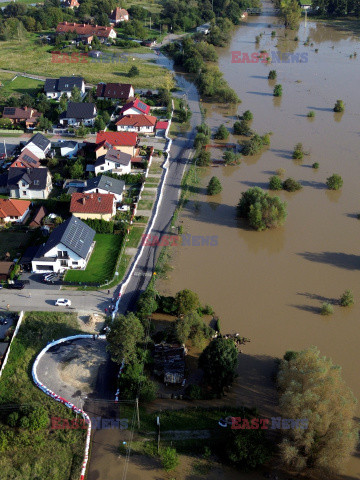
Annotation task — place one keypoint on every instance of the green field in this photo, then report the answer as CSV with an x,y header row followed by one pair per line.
x,y
102,262
20,85
135,236
28,57
28,452
145,204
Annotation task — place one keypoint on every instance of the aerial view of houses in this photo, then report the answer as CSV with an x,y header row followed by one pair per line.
x,y
179,217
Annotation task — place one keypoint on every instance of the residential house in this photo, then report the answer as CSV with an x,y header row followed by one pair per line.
x,y
119,15
26,160
78,113
86,32
69,246
93,205
56,87
12,210
126,142
38,145
161,128
69,149
70,4
28,116
5,270
104,184
29,183
169,362
40,214
114,91
137,123
135,107
114,161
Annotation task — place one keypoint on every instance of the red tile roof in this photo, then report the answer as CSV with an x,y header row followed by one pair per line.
x,y
118,139
134,120
162,125
138,105
118,14
13,208
84,29
26,160
92,203
114,90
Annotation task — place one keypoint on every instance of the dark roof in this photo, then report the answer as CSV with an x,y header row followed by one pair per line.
x,y
74,234
103,182
40,141
114,90
115,156
62,84
80,110
69,144
35,177
29,254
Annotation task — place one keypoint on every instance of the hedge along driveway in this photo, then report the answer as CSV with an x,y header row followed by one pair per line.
x,y
102,262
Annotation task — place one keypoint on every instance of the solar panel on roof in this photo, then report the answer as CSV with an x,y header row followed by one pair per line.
x,y
142,106
10,111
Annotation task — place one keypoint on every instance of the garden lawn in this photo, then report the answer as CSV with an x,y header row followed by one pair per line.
x,y
21,85
44,453
135,236
101,266
14,242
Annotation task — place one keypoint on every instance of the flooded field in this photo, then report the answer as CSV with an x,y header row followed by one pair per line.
x,y
269,286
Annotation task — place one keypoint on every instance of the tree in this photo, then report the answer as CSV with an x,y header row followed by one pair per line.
x,y
5,123
347,299
186,301
82,131
311,388
277,90
201,140
99,123
44,123
134,71
335,182
230,157
326,309
261,210
290,11
204,158
76,170
255,144
298,152
147,304
214,187
275,183
125,334
219,362
247,116
242,128
291,185
75,94
63,102
169,458
222,133
339,106
247,448
192,327
272,75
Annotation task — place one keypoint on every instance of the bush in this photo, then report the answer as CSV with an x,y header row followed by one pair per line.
x,y
272,75
222,133
230,157
203,159
201,140
255,144
339,106
335,182
247,116
280,172
275,183
169,458
194,392
214,187
298,153
315,165
277,90
247,449
327,309
291,185
347,299
261,210
186,301
311,114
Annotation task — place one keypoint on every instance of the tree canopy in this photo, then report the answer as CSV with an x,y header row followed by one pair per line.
x,y
123,338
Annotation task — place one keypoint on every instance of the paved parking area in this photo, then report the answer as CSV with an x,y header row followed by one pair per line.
x,y
37,283
4,328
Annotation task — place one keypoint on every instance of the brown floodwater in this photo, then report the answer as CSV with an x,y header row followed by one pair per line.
x,y
269,286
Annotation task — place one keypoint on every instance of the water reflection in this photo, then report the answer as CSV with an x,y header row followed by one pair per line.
x,y
271,241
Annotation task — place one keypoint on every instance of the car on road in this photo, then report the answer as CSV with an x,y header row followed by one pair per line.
x,y
63,302
17,285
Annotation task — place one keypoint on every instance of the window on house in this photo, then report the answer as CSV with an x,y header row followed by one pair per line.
x,y
75,263
23,184
101,168
117,165
24,192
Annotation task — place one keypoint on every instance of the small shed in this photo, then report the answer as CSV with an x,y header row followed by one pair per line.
x,y
169,362
5,269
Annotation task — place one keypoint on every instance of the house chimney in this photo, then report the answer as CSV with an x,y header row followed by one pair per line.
x,y
25,108
28,170
83,200
99,199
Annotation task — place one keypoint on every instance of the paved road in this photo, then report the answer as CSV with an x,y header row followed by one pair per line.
x,y
180,152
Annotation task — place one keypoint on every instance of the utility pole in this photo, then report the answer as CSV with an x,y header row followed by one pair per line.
x,y
158,425
5,149
137,411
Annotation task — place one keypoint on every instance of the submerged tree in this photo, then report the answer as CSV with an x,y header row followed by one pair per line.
x,y
312,388
290,12
214,187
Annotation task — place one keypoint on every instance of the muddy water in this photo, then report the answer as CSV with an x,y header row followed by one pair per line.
x,y
270,285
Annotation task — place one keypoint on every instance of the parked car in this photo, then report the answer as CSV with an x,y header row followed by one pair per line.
x,y
3,321
63,302
18,285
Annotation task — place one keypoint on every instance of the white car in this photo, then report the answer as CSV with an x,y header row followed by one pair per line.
x,y
63,302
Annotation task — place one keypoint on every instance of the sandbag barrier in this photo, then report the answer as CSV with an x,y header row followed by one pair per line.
x,y
68,404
